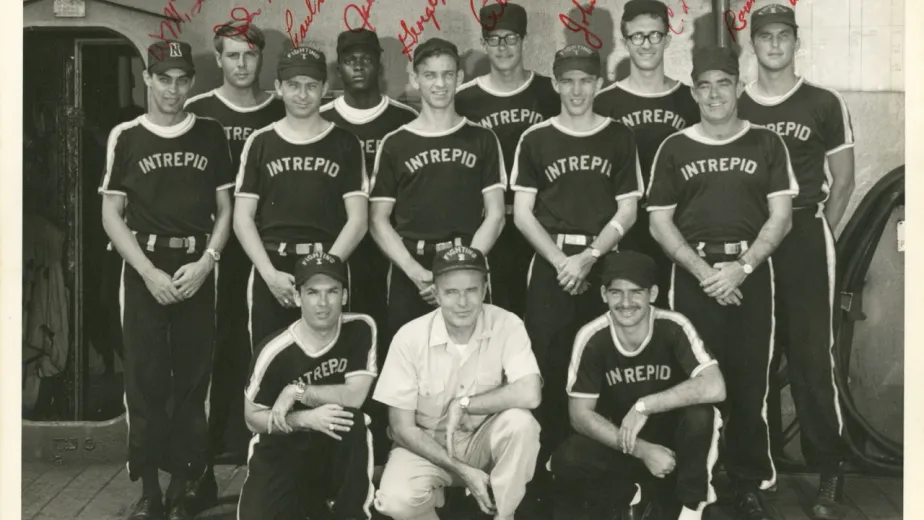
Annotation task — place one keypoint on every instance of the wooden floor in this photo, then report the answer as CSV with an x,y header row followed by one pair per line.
x,y
104,492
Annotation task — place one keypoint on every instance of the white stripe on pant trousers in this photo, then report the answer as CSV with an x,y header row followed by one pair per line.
x,y
831,257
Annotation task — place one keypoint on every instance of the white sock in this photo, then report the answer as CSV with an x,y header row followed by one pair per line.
x,y
638,495
692,514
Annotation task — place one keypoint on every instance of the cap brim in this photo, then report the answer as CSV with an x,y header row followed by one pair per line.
x,y
163,66
372,46
312,72
460,268
767,20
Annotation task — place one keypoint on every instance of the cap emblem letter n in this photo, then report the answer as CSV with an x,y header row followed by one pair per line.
x,y
175,51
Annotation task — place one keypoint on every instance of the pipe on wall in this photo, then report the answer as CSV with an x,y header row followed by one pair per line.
x,y
718,12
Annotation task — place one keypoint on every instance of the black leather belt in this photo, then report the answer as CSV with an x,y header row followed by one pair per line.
x,y
191,244
420,247
292,248
721,248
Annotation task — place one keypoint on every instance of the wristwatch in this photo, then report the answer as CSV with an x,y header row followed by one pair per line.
x,y
300,388
463,403
594,252
748,268
216,256
640,407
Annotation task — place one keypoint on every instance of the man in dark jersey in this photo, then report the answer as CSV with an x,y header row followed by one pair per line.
x,y
815,125
167,210
653,105
306,387
302,188
577,183
369,115
641,386
508,100
440,178
241,107
720,200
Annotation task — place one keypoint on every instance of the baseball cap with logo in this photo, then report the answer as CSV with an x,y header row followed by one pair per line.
x,y
773,13
636,8
435,47
577,57
714,58
502,15
459,257
320,263
170,54
358,38
634,267
302,61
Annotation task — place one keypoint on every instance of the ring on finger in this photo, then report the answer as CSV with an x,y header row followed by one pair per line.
x,y
331,426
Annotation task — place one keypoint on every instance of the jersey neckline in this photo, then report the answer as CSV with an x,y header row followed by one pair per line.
x,y
641,348
304,348
440,133
695,133
280,131
772,101
359,116
554,122
480,81
624,88
237,108
168,132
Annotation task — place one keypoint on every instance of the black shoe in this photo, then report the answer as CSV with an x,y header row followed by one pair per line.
x,y
646,509
829,502
749,507
203,493
148,508
180,509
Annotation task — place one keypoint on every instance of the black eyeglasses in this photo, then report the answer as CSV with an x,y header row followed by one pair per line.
x,y
654,38
510,39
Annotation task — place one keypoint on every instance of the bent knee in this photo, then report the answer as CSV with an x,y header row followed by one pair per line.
x,y
402,501
518,421
700,418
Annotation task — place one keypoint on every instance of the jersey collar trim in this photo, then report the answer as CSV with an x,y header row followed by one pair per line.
x,y
618,345
554,121
441,133
622,86
289,138
482,82
439,336
168,132
360,116
751,89
237,108
323,350
695,133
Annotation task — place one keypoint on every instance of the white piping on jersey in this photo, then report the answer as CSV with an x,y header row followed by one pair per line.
x,y
239,180
620,85
281,132
216,93
169,132
655,162
696,133
440,133
793,183
110,153
481,82
696,343
375,165
361,116
580,343
647,340
372,363
516,156
845,113
606,122
769,101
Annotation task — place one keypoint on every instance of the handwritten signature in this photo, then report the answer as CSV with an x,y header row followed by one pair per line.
x,y
363,13
495,15
304,25
240,14
670,13
410,35
572,25
174,25
734,26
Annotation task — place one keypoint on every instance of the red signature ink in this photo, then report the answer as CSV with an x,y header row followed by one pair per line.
x,y
362,12
734,26
174,25
589,37
240,14
670,12
413,32
495,16
305,25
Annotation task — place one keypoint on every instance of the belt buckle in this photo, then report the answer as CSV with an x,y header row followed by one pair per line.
x,y
303,249
176,242
575,240
732,248
442,246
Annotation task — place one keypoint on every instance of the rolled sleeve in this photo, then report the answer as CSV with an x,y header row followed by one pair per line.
x,y
518,358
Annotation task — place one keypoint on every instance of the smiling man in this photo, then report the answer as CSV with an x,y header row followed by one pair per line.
x,y
304,181
721,202
167,210
577,183
641,385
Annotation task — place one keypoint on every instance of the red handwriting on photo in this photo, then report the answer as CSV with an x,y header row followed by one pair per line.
x,y
410,35
590,38
670,12
488,25
245,17
303,27
174,25
737,21
360,12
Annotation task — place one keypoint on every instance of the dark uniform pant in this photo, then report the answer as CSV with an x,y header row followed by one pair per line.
x,y
586,471
638,238
553,318
741,337
227,430
168,358
804,265
291,478
509,262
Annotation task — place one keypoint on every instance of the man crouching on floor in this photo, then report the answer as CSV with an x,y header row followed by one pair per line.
x,y
459,382
306,386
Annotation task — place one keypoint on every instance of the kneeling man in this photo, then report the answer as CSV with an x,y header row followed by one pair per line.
x,y
302,402
641,386
459,383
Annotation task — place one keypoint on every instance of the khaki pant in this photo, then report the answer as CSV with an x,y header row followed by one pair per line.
x,y
506,446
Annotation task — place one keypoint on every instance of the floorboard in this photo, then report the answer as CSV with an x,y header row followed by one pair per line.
x,y
80,492
43,490
114,500
870,501
892,489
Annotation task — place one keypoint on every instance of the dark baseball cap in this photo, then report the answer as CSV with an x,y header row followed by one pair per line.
x,y
320,263
634,267
577,57
498,16
459,257
170,54
773,13
435,47
714,58
358,38
302,61
636,8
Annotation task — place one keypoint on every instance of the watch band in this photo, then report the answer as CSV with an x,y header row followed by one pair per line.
x,y
216,256
464,402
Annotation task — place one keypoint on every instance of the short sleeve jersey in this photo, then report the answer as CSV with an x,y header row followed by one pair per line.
x,y
578,177
437,180
169,174
652,117
371,125
283,360
601,368
814,123
301,184
720,189
508,114
238,122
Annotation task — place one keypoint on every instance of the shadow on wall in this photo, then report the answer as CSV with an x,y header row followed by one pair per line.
x,y
591,26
